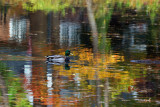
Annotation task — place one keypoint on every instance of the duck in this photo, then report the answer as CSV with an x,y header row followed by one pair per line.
x,y
59,59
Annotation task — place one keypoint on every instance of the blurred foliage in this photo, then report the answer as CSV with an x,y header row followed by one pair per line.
x,y
16,94
105,66
100,7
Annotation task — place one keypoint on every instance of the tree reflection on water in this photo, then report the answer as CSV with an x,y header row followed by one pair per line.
x,y
115,48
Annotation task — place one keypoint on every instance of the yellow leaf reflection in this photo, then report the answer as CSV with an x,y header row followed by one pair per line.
x,y
85,65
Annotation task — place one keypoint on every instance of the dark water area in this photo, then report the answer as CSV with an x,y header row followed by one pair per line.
x,y
115,58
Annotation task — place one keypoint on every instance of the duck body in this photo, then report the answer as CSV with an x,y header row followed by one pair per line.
x,y
58,59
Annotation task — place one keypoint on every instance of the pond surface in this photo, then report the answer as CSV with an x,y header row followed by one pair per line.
x,y
115,55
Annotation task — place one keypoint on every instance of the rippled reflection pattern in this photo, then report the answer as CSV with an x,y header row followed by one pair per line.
x,y
114,59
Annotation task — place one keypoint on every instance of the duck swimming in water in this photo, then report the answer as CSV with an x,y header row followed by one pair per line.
x,y
59,59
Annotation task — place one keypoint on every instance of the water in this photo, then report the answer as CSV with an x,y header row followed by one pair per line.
x,y
115,59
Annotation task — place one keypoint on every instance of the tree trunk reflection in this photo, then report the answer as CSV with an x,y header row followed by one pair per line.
x,y
95,47
93,26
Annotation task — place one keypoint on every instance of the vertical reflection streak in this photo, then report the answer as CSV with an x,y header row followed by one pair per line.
x,y
28,76
95,46
49,83
93,25
106,93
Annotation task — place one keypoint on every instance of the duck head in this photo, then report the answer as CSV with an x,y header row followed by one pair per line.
x,y
67,52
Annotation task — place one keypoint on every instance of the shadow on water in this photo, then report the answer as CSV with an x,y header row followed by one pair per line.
x,y
115,47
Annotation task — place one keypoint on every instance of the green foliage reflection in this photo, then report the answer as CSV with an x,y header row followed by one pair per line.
x,y
100,7
16,94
